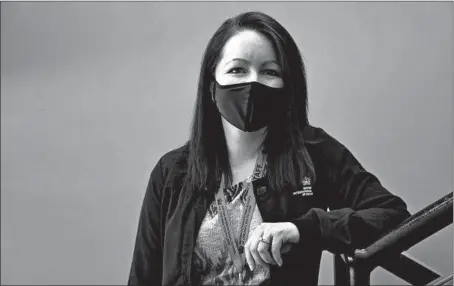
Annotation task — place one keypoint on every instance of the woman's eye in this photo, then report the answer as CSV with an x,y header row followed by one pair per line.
x,y
237,70
271,73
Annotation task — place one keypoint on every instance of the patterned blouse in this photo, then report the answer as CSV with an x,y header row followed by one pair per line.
x,y
211,262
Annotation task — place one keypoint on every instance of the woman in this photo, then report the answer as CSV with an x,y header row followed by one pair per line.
x,y
245,200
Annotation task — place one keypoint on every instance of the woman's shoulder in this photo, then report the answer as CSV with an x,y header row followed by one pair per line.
x,y
320,144
323,146
314,135
170,165
177,155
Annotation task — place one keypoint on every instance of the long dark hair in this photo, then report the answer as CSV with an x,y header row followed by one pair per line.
x,y
288,158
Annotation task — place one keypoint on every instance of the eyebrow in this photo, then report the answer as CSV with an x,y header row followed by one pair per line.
x,y
246,61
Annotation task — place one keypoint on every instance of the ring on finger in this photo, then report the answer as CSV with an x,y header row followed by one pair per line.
x,y
264,240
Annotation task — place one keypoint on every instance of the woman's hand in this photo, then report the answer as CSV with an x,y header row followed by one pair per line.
x,y
268,241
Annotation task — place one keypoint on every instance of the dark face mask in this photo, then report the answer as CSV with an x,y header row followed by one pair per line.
x,y
247,106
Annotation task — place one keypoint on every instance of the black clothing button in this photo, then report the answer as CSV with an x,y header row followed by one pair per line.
x,y
261,191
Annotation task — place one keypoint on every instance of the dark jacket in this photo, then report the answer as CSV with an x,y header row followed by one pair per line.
x,y
360,211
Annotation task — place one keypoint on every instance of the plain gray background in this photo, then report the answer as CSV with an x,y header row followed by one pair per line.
x,y
93,94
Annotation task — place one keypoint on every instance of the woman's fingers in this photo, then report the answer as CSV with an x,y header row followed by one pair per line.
x,y
248,247
254,252
269,251
286,247
263,249
249,258
276,249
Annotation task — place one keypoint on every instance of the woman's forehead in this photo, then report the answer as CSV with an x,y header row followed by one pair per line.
x,y
248,45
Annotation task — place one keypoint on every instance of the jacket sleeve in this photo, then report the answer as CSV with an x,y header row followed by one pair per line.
x,y
361,209
146,266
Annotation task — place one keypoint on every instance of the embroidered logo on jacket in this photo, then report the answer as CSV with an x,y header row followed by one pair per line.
x,y
307,188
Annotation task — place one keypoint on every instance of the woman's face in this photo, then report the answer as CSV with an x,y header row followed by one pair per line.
x,y
246,57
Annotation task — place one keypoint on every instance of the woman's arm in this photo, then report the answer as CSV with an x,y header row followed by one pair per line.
x,y
146,267
361,210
